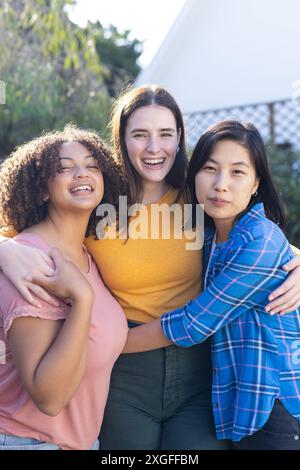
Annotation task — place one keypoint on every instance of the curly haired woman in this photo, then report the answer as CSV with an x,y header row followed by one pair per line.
x,y
56,359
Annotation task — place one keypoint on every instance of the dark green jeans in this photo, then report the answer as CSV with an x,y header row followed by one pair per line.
x,y
161,400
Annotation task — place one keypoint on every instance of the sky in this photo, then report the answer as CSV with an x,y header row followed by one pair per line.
x,y
148,20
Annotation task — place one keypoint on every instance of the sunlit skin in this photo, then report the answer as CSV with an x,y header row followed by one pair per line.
x,y
226,184
151,139
68,208
79,167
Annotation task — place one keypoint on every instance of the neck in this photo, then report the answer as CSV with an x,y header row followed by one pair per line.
x,y
223,228
153,191
66,231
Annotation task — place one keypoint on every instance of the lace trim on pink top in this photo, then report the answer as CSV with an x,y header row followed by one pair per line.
x,y
30,311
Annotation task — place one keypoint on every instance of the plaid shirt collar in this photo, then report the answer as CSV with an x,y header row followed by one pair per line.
x,y
255,212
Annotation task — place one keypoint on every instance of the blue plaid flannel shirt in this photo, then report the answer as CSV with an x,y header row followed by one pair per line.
x,y
255,356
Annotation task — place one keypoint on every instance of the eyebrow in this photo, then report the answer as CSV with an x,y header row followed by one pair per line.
x,y
235,163
167,129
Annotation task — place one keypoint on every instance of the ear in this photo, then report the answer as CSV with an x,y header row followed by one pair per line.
x,y
46,197
256,185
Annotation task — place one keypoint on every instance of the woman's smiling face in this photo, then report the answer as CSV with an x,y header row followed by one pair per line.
x,y
80,184
151,139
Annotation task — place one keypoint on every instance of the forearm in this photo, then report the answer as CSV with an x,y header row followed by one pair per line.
x,y
145,338
60,372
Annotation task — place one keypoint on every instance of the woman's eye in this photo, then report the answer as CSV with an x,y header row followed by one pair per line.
x,y
95,167
238,172
209,168
166,134
66,168
139,135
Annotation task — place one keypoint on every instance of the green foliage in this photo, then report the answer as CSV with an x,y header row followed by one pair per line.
x,y
285,164
117,53
53,70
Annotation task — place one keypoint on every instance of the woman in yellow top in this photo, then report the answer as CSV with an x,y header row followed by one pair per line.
x,y
159,399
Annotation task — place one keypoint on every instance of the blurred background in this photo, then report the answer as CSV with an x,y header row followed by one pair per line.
x,y
67,60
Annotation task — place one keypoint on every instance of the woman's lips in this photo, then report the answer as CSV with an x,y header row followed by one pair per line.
x,y
218,202
154,164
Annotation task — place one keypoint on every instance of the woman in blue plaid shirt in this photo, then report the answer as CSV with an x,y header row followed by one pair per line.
x,y
255,355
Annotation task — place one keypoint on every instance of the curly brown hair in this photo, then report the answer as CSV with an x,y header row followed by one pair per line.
x,y
25,173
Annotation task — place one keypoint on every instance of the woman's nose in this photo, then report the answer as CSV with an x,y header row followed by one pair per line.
x,y
221,182
80,172
153,145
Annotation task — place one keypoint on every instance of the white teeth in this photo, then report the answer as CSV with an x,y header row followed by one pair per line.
x,y
82,188
153,162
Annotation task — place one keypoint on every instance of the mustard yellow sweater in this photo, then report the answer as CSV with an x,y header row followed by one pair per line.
x,y
149,276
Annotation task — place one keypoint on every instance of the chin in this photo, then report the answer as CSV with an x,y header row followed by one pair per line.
x,y
85,206
158,178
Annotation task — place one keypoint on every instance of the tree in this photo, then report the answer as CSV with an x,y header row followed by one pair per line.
x,y
285,164
117,53
53,70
